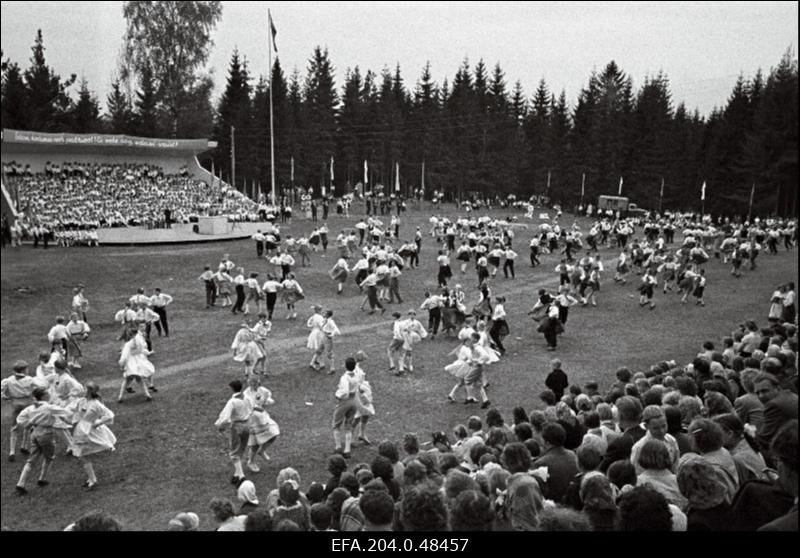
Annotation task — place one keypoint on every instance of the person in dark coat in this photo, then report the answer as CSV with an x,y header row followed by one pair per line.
x,y
562,464
557,379
780,406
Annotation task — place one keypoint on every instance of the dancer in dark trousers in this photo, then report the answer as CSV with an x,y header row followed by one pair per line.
x,y
208,278
160,301
238,283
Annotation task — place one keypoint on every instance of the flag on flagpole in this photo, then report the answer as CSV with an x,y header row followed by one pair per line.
x,y
423,176
292,170
703,192
366,173
662,187
620,186
272,30
583,184
397,177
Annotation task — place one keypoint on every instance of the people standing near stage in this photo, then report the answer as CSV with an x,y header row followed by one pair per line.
x,y
80,304
346,408
270,292
235,417
433,304
263,429
18,389
211,289
92,434
135,363
159,301
292,293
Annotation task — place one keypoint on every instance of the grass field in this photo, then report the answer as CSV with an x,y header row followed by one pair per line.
x,y
169,457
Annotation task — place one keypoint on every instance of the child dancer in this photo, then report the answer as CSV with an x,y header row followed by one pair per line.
x,y
263,429
364,403
245,349
292,293
92,435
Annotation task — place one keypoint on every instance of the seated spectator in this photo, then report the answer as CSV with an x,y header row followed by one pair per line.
x,y
423,509
247,496
676,430
599,503
784,450
471,511
320,516
749,463
388,450
780,406
654,462
557,518
630,416
291,507
225,516
186,521
644,509
377,507
656,424
95,521
258,520
589,459
705,492
707,441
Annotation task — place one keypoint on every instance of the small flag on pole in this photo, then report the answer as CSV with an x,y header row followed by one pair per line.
x,y
703,192
397,177
423,176
292,170
583,185
662,187
366,173
620,186
272,30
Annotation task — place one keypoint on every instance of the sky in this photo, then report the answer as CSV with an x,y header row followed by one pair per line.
x,y
701,46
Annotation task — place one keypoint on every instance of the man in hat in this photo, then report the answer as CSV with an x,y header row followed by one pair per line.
x,y
17,389
234,417
40,418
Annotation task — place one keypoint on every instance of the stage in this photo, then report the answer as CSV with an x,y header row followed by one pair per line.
x,y
178,234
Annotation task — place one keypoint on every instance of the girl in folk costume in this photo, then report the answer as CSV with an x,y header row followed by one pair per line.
x,y
263,429
316,339
494,256
329,330
478,359
92,435
482,267
66,392
459,368
668,270
408,252
646,288
463,255
592,285
499,327
224,282
361,270
136,365
699,288
686,282
776,304
339,274
737,256
239,285
79,331
80,305
304,250
292,293
364,403
262,330
254,294
454,312
483,309
394,351
413,332
314,240
270,291
444,268
341,245
482,328
621,276
383,284
346,408
245,349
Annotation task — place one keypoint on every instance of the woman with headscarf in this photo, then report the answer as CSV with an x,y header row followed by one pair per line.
x,y
91,435
707,439
247,496
705,492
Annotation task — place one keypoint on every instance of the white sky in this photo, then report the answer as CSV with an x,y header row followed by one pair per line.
x,y
702,46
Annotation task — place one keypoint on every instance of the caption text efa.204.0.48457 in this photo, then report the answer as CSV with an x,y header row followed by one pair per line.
x,y
397,544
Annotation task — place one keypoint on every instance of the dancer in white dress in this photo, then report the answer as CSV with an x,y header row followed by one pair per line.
x,y
136,365
413,332
263,429
92,435
66,392
460,367
261,331
316,339
364,402
329,331
246,350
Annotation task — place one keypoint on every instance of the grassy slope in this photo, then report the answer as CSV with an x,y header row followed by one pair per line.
x,y
169,457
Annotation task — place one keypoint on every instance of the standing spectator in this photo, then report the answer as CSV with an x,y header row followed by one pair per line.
x,y
557,379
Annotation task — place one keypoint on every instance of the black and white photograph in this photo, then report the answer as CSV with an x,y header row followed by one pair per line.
x,y
374,269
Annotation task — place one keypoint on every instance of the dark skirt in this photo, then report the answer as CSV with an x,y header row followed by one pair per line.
x,y
452,318
494,261
463,257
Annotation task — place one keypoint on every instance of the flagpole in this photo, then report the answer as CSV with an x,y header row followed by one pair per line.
x,y
583,187
750,208
548,184
661,196
271,129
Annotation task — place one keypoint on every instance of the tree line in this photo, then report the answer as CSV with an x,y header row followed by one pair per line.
x,y
474,134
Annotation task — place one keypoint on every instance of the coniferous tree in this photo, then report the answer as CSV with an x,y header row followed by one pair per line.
x,y
234,110
146,116
85,114
118,107
47,100
14,98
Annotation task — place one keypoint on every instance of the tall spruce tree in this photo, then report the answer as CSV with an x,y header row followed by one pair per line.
x,y
85,113
47,100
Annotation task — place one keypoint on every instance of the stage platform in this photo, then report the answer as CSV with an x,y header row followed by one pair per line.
x,y
178,234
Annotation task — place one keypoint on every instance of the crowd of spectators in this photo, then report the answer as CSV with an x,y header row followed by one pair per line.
x,y
88,196
710,446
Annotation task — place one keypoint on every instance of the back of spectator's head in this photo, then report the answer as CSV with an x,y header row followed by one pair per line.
x,y
548,397
494,418
772,366
538,420
689,408
377,507
605,412
516,457
708,345
589,458
642,385
533,447
222,508
349,482
591,419
287,525
414,473
475,424
560,518
388,449
644,509
700,483
410,444
716,403
520,415
321,517
316,493
96,521
382,468
446,462
460,432
621,473
258,520
336,465
523,431
671,398
185,521
624,375
471,511
654,456
456,482
496,437
424,509
554,434
614,394
574,390
478,450
674,419
706,435
686,385
583,403
652,396
629,409
596,493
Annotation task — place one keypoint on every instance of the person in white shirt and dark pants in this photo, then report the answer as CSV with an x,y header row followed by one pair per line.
x,y
159,302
